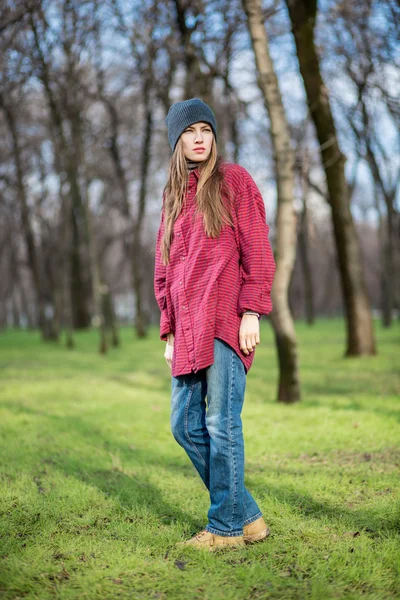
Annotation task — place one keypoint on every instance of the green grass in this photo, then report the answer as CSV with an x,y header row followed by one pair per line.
x,y
95,491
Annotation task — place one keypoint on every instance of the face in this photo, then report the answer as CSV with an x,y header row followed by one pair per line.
x,y
197,141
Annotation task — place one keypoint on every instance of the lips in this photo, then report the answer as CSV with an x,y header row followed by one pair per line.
x,y
198,149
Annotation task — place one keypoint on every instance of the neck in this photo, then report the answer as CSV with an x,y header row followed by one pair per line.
x,y
191,164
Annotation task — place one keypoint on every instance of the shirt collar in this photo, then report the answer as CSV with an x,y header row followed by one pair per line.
x,y
195,171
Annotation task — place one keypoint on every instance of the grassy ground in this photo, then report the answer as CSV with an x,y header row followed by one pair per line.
x,y
95,491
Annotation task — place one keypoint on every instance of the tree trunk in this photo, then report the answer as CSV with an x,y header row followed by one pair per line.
x,y
389,274
66,241
137,264
66,165
80,312
308,289
388,188
384,305
25,306
231,118
109,316
360,334
31,249
97,284
281,318
16,317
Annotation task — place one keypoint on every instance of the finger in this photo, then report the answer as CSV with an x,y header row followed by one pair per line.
x,y
243,346
252,342
249,344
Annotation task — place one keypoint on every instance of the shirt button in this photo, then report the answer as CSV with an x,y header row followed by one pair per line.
x,y
178,234
183,257
180,282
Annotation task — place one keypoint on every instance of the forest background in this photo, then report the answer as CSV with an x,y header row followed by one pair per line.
x,y
84,91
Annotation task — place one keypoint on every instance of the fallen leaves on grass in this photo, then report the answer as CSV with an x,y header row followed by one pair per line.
x,y
58,556
131,519
286,573
61,576
39,486
352,534
180,564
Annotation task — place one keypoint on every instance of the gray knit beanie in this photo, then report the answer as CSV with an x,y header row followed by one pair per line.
x,y
185,113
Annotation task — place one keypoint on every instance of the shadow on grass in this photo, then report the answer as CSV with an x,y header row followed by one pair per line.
x,y
308,507
350,405
129,491
138,491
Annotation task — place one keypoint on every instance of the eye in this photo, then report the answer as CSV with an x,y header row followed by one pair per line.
x,y
190,129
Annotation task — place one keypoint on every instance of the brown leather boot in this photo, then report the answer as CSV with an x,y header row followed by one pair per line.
x,y
255,531
205,540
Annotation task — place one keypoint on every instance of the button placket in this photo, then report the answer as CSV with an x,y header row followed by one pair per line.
x,y
185,313
182,255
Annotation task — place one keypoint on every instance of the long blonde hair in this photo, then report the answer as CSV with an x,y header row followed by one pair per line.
x,y
210,187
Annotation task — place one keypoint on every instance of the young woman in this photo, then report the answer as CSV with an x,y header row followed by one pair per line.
x,y
214,269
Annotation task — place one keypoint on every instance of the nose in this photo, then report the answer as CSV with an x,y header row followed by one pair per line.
x,y
198,136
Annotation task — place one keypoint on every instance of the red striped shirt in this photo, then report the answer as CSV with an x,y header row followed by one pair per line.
x,y
208,282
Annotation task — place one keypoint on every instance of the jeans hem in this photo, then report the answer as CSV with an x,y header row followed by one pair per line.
x,y
257,516
224,533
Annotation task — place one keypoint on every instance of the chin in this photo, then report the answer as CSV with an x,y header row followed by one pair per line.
x,y
197,158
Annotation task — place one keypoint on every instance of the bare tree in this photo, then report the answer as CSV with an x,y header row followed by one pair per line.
x,y
67,147
303,229
285,335
368,58
197,80
360,334
88,88
144,46
8,109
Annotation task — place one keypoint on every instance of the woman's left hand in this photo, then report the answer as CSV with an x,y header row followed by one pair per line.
x,y
249,333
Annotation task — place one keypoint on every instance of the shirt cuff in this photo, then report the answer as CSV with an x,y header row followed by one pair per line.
x,y
257,298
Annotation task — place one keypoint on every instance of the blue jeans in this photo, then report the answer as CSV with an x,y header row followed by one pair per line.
x,y
213,438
